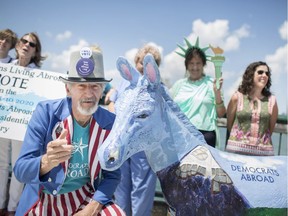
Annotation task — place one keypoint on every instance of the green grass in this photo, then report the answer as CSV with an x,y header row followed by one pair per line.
x,y
266,212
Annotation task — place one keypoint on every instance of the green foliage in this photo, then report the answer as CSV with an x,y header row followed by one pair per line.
x,y
266,212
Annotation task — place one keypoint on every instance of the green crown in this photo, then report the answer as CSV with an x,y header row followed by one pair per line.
x,y
190,46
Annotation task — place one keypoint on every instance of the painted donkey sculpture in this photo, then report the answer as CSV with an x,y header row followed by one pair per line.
x,y
195,178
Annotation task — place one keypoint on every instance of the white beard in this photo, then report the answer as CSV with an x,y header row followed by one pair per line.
x,y
88,111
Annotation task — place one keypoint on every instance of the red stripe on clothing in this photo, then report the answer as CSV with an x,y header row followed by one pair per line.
x,y
40,206
56,206
72,202
85,191
106,134
97,169
91,159
92,125
95,147
106,211
98,137
66,126
49,207
63,204
79,196
116,209
93,153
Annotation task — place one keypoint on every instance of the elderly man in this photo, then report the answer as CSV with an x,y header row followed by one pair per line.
x,y
58,161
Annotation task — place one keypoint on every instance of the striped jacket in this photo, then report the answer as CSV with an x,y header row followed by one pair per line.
x,y
42,128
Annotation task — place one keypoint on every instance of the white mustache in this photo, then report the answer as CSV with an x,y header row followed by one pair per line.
x,y
88,100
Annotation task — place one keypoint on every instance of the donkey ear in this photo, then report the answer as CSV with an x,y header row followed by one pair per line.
x,y
127,71
151,70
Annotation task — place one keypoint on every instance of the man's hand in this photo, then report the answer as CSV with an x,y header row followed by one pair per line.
x,y
92,209
57,152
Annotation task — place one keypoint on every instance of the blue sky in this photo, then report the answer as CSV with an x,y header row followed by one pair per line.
x,y
247,31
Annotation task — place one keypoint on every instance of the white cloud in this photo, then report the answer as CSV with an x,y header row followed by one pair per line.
x,y
283,31
218,33
215,30
278,60
115,75
173,68
243,31
64,36
130,54
278,64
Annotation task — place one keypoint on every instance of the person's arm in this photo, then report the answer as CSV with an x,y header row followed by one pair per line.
x,y
219,103
113,97
111,107
273,118
108,95
231,111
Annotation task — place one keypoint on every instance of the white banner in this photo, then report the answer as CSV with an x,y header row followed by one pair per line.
x,y
20,90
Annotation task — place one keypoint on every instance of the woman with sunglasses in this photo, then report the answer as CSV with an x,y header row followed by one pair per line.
x,y
252,113
28,54
28,51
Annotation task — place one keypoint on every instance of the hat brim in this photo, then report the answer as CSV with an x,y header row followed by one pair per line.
x,y
83,80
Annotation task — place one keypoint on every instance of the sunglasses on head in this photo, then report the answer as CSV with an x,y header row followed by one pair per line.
x,y
31,44
260,72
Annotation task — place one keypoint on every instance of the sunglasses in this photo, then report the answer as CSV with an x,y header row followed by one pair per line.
x,y
31,44
260,72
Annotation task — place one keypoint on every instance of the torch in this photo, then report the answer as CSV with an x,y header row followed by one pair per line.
x,y
218,61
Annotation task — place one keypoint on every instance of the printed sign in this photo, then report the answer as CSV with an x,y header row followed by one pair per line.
x,y
20,90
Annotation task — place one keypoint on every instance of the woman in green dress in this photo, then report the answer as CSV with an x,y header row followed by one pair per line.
x,y
252,113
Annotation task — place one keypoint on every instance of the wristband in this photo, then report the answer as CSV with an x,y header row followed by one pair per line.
x,y
218,105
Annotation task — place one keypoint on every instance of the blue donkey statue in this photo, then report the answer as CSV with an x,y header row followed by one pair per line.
x,y
195,178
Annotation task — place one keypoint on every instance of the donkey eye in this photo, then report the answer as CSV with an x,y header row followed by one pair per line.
x,y
143,116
